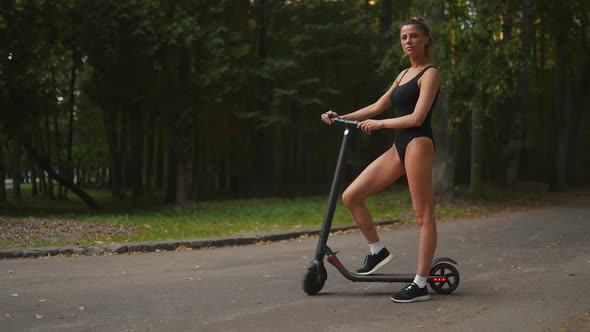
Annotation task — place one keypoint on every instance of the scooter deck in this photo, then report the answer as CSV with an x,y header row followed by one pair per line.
x,y
375,277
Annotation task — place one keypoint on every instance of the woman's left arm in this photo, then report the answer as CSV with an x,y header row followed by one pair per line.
x,y
429,84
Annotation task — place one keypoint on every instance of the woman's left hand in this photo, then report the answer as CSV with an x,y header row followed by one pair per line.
x,y
369,125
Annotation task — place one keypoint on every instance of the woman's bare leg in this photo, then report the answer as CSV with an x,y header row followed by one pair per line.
x,y
382,172
420,158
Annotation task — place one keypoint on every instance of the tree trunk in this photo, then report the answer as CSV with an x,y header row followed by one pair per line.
x,y
443,176
581,154
42,182
101,177
476,148
385,24
125,159
478,113
34,175
44,164
380,140
58,160
197,171
261,29
137,137
150,151
263,163
172,171
49,187
79,176
518,130
562,111
69,164
182,183
2,176
15,172
110,123
576,140
160,157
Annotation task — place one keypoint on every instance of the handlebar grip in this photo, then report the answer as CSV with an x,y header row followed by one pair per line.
x,y
344,122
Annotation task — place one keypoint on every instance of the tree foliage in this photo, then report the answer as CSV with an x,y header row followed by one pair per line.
x,y
206,99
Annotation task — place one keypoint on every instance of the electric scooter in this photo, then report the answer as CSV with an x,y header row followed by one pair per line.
x,y
444,276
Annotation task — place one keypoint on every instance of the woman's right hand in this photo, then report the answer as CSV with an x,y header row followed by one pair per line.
x,y
327,117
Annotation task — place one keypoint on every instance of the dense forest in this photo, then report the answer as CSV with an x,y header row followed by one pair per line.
x,y
205,99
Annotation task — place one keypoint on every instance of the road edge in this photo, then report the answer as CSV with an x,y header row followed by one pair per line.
x,y
169,245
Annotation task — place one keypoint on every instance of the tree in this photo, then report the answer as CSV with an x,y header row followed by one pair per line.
x,y
27,35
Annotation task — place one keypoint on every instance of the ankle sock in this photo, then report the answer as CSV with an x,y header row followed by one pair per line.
x,y
376,247
420,281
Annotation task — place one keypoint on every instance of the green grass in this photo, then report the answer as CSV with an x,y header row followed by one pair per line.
x,y
156,221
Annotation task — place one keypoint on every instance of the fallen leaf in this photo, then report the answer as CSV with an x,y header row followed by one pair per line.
x,y
39,316
82,308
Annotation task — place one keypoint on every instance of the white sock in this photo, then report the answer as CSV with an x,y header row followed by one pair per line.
x,y
376,247
420,281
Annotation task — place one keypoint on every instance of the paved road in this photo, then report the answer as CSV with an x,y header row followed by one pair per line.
x,y
525,271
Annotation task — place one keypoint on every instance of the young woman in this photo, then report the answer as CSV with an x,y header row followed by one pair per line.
x,y
412,97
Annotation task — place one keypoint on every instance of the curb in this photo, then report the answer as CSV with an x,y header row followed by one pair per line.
x,y
170,245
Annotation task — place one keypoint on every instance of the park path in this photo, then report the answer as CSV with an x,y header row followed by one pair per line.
x,y
521,271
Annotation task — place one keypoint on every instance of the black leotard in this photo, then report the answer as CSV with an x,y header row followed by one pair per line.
x,y
403,101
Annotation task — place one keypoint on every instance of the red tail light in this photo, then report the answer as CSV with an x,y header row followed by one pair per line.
x,y
439,279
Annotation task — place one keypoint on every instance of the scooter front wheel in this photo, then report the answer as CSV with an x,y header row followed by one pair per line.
x,y
314,280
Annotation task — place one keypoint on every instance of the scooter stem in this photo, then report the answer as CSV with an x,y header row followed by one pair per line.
x,y
329,215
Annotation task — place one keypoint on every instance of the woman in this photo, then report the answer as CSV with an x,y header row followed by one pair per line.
x,y
412,97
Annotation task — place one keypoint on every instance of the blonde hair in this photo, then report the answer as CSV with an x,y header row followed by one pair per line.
x,y
420,22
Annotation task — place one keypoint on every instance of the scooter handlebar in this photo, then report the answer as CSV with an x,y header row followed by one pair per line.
x,y
344,122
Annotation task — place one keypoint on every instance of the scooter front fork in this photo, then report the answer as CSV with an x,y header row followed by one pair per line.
x,y
321,255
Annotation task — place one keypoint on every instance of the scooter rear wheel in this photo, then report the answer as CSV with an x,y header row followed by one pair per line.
x,y
450,273
314,280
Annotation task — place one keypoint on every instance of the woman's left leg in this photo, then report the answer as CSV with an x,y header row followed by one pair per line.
x,y
419,164
420,158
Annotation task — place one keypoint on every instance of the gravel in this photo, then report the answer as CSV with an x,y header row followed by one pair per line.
x,y
25,230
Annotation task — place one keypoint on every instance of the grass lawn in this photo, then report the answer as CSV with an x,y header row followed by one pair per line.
x,y
149,219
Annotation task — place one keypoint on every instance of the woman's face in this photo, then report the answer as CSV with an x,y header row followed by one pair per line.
x,y
413,40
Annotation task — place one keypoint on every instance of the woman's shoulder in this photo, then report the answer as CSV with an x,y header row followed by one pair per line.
x,y
430,68
431,71
431,74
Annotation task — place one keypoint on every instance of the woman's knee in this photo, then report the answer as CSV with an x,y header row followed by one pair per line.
x,y
347,198
350,198
424,216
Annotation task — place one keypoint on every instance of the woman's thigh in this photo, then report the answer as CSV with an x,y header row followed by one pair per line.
x,y
382,172
420,158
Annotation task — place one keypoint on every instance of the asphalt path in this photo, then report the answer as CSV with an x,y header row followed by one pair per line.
x,y
520,271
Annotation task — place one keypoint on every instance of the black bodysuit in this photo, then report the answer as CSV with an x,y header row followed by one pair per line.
x,y
403,101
